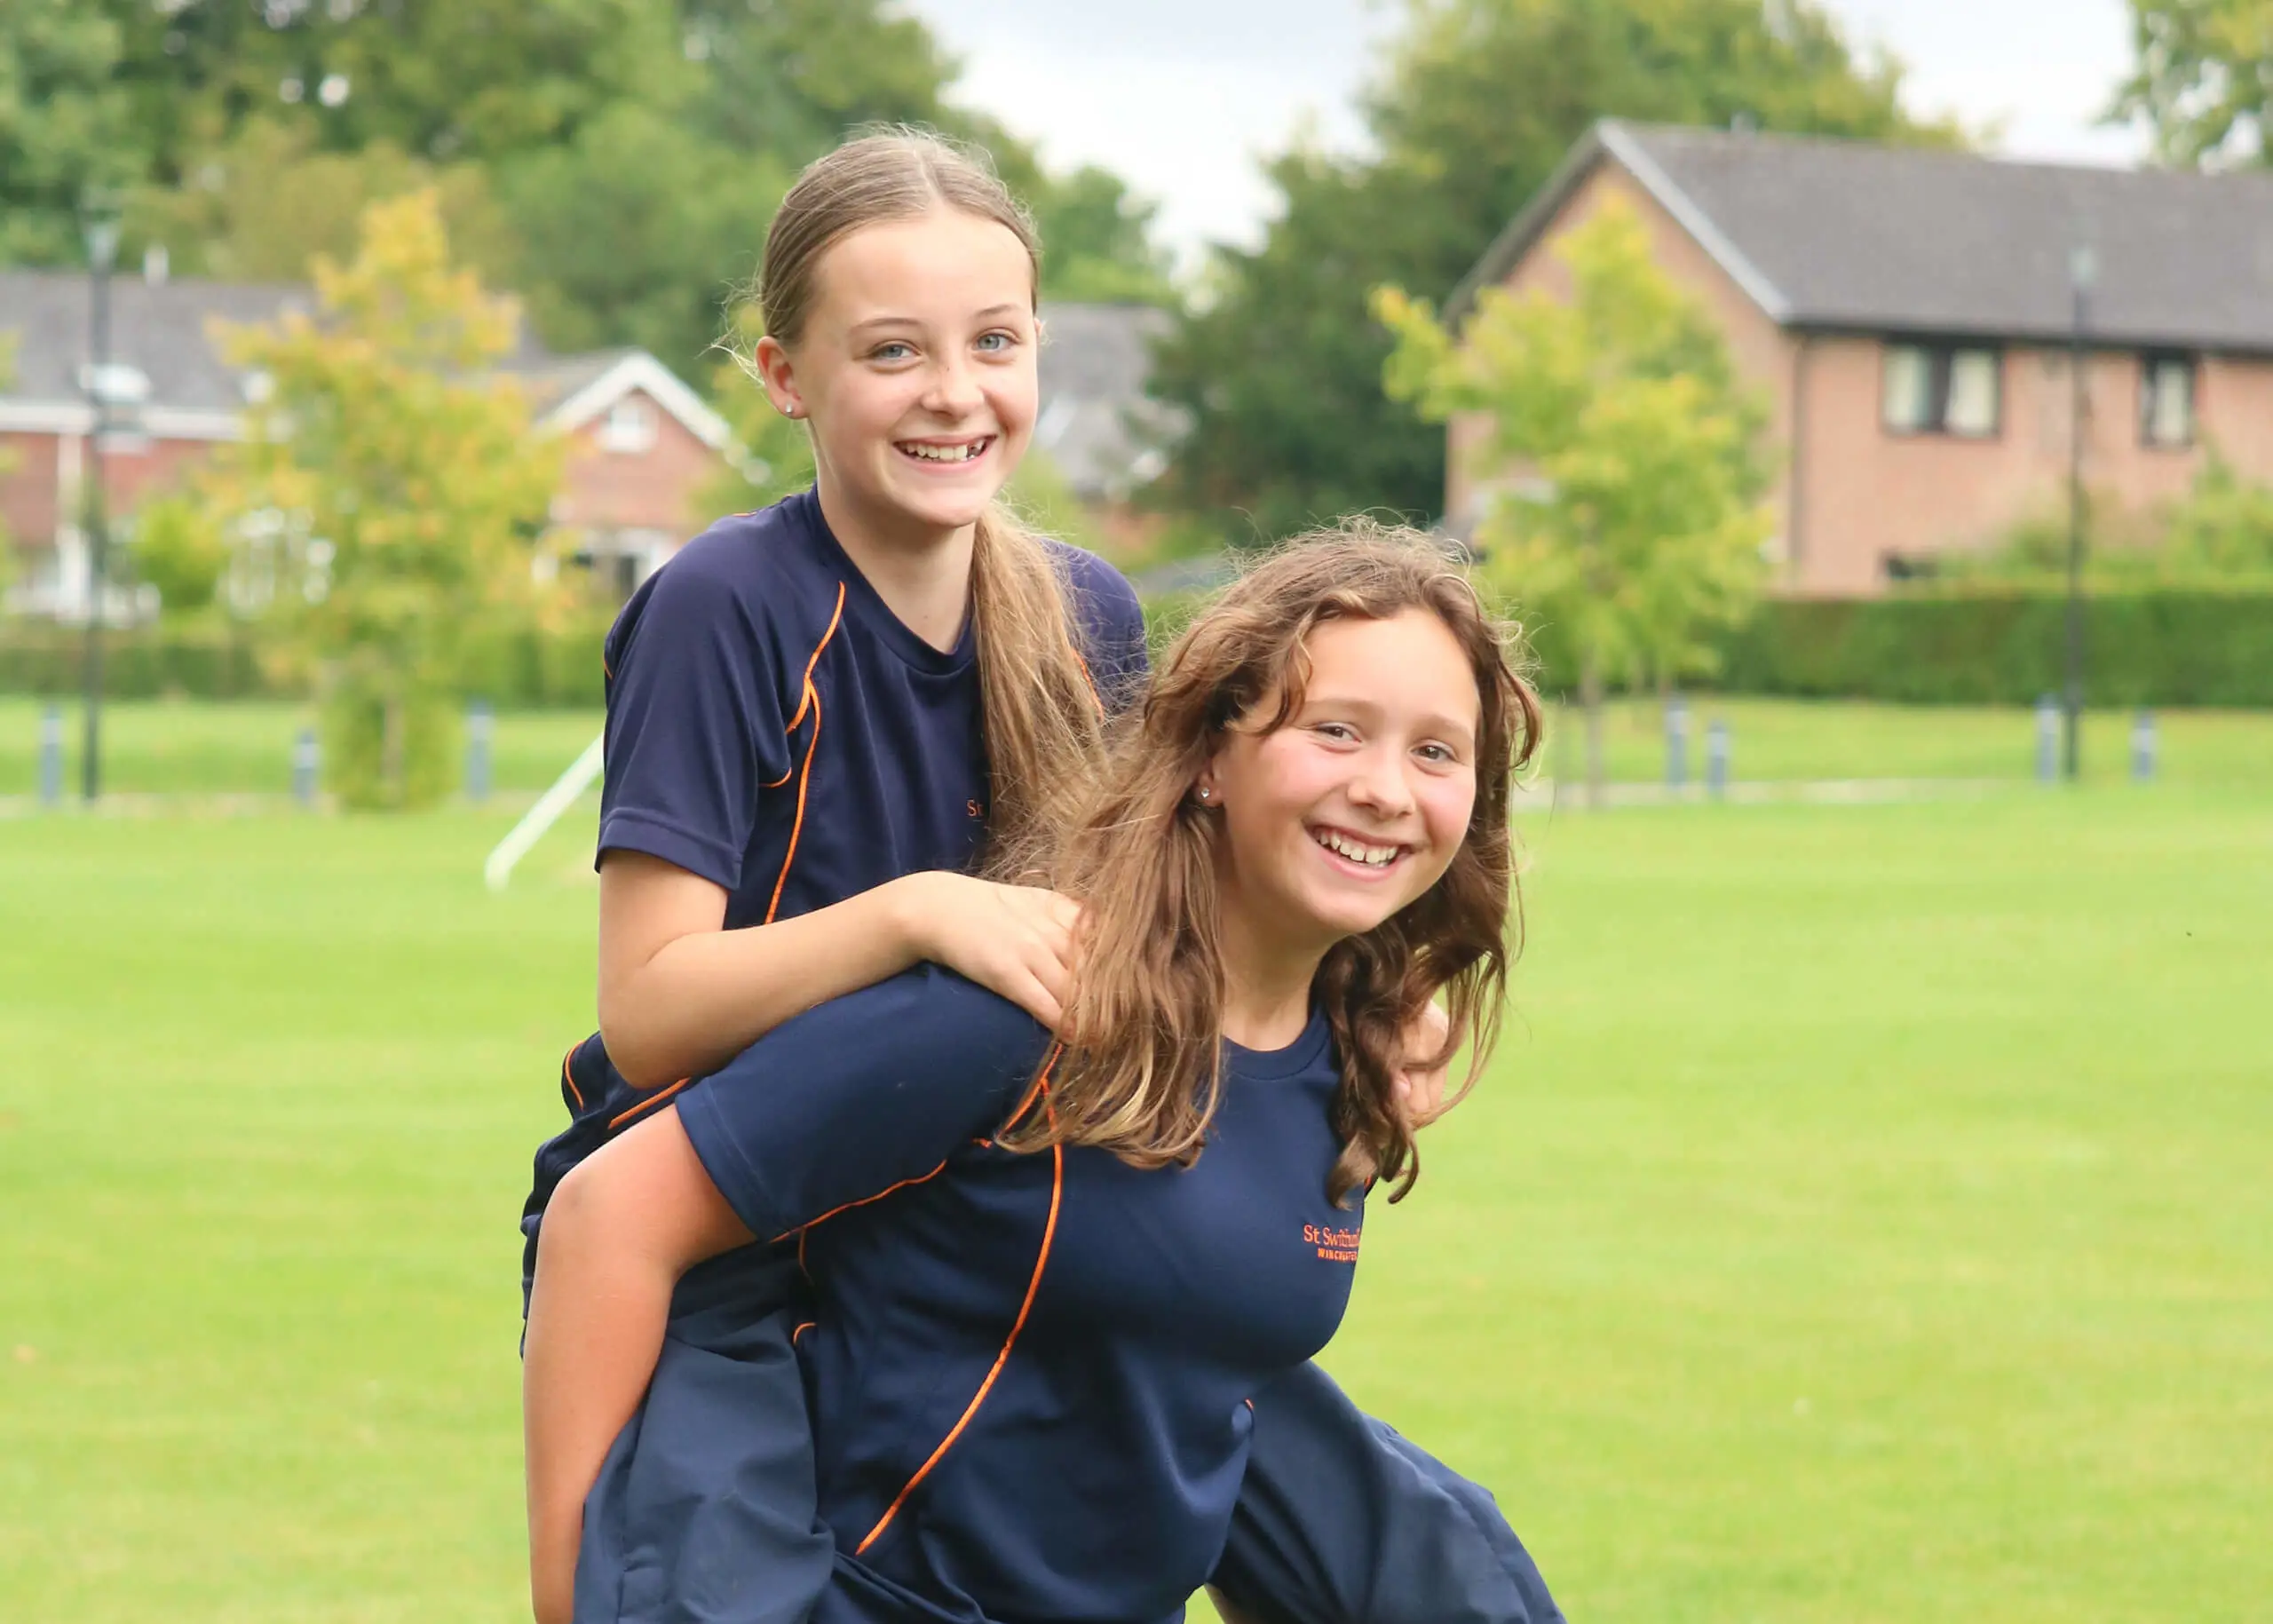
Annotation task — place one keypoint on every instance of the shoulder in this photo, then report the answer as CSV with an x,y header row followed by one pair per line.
x,y
750,572
1102,595
1111,622
993,1035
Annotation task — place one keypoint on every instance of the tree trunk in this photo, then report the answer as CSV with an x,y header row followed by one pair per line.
x,y
393,788
1591,700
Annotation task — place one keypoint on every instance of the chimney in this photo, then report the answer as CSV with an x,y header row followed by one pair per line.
x,y
154,265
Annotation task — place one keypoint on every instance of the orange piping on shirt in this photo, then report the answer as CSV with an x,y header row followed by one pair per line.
x,y
825,637
804,781
649,1103
849,1205
1033,1286
569,1082
800,1331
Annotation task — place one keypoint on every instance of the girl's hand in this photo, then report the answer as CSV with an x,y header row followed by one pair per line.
x,y
1014,940
1420,1079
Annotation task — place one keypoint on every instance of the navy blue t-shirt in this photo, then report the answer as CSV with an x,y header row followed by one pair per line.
x,y
1027,1374
775,728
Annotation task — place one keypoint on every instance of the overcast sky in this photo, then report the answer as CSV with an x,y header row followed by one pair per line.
x,y
1180,97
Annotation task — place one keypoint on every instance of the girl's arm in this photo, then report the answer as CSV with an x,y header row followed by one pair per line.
x,y
621,1229
678,995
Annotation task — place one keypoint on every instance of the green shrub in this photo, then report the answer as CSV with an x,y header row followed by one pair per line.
x,y
516,667
2167,648
355,767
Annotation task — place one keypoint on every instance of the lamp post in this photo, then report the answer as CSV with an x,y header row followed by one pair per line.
x,y
101,227
2083,271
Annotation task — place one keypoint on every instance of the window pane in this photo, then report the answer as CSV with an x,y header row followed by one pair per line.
x,y
2170,402
1973,392
1909,385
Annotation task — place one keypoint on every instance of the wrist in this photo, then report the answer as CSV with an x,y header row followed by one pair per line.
x,y
908,910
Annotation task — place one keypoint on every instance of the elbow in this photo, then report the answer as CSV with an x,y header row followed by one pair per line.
x,y
632,1049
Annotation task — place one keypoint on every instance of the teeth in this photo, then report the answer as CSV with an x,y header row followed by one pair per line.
x,y
946,454
1372,857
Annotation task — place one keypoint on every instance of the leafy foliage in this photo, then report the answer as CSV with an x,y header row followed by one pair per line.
x,y
64,126
1626,455
406,488
1280,373
616,161
2218,535
2204,79
181,550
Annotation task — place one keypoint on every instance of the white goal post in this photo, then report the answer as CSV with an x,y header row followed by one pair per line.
x,y
499,870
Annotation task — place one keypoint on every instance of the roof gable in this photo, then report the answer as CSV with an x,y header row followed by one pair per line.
x,y
1847,235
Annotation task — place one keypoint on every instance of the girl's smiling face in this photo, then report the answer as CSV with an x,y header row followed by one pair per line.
x,y
916,368
1346,814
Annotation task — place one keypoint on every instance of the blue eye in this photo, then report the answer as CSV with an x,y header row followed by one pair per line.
x,y
894,350
995,343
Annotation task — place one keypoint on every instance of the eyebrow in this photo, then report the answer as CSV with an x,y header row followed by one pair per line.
x,y
1463,732
987,314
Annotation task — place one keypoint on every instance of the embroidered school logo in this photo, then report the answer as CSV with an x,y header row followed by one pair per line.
x,y
1336,1246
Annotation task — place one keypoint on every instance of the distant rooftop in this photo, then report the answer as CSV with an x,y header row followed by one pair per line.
x,y
1837,234
1097,422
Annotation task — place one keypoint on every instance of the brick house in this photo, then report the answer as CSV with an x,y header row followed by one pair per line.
x,y
642,443
1908,315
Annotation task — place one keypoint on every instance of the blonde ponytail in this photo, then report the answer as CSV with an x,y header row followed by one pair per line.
x,y
1042,716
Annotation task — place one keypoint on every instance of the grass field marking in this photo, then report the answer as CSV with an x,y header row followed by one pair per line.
x,y
497,873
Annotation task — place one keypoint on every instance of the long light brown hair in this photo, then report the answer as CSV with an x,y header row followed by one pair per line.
x,y
1141,1071
1039,714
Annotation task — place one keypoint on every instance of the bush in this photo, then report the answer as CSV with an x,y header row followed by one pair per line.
x,y
355,769
2169,648
516,667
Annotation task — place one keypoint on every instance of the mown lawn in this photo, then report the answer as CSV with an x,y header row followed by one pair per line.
x,y
189,747
1865,1218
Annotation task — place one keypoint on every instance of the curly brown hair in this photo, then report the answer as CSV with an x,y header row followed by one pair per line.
x,y
1141,1072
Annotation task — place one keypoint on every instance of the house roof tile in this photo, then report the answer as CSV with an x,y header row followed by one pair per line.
x,y
1847,236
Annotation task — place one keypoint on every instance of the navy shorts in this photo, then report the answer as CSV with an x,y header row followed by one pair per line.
x,y
704,1511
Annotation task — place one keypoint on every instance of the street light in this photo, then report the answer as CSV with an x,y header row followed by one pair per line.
x,y
101,224
2083,272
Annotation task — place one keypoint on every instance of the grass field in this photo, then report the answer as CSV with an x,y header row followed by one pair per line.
x,y
1866,1219
158,746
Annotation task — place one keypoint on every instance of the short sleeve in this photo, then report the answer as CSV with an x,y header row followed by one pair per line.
x,y
1112,627
858,1095
694,725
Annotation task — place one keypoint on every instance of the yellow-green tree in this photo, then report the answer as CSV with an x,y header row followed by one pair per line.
x,y
1623,455
402,486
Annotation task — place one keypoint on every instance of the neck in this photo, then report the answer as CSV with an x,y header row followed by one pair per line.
x,y
1266,981
922,572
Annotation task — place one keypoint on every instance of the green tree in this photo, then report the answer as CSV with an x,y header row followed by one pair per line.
x,y
1279,374
610,253
270,200
1629,515
65,125
408,488
2203,80
468,79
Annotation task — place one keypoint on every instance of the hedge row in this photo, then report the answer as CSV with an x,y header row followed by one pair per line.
x,y
2165,647
518,667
